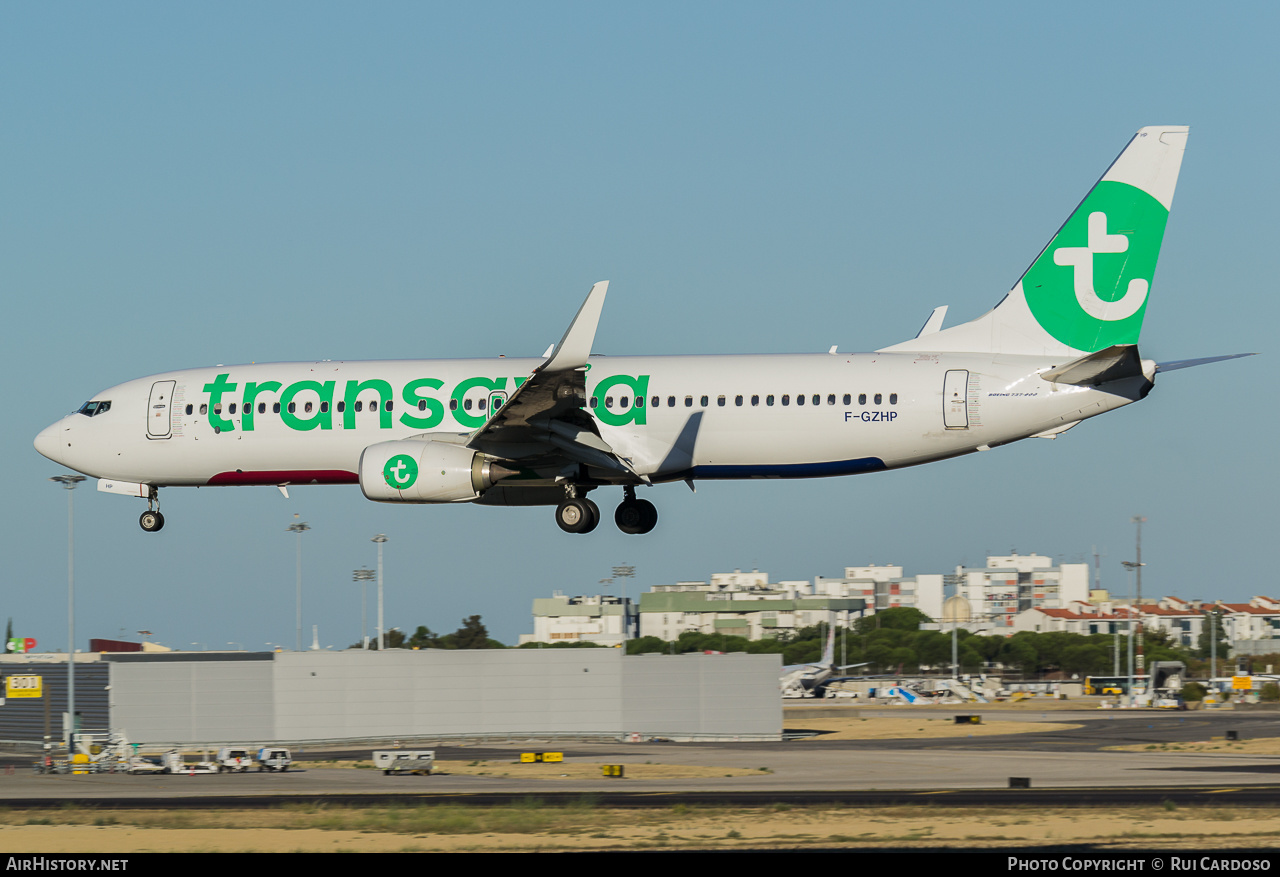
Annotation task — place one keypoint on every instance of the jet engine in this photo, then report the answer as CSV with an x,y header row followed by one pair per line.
x,y
411,470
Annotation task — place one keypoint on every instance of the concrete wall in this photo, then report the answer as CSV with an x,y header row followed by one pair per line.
x,y
400,693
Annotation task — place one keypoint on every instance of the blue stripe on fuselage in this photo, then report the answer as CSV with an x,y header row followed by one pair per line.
x,y
786,470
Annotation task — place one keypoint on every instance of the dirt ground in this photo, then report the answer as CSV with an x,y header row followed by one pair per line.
x,y
918,725
454,829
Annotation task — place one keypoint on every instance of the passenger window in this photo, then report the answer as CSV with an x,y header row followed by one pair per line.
x,y
480,404
831,399
388,406
453,404
768,400
233,408
755,400
324,407
800,399
671,401
817,399
293,407
608,401
262,407
275,408
422,404
595,402
204,408
655,401
786,399
878,398
342,406
893,398
862,398
359,406
466,403
217,409
720,401
624,401
737,400
705,400
189,409
306,408
688,401
639,401
847,398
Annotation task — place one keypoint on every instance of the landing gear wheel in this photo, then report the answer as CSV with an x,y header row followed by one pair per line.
x,y
151,521
577,515
636,516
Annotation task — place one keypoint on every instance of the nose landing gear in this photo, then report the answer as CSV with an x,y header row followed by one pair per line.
x,y
151,520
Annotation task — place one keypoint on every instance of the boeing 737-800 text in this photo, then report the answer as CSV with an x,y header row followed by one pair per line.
x,y
1060,347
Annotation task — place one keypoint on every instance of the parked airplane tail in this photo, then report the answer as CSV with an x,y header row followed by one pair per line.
x,y
1088,289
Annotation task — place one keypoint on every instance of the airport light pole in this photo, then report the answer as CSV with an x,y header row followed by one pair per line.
x,y
363,576
299,527
625,572
382,637
69,482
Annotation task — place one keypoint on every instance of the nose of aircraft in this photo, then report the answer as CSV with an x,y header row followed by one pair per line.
x,y
49,441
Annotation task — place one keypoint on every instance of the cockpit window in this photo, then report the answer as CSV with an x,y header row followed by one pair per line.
x,y
94,408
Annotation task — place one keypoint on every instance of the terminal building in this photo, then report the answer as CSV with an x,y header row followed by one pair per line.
x,y
602,619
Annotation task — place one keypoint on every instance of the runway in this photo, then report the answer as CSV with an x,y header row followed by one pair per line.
x,y
1061,766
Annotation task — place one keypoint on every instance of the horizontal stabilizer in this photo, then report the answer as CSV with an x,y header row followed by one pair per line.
x,y
1109,364
1188,363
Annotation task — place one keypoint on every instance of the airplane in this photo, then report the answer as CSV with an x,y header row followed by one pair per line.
x,y
1059,348
810,680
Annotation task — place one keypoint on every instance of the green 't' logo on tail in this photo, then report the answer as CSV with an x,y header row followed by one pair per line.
x,y
1089,287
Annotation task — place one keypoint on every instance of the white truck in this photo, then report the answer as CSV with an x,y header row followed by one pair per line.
x,y
233,760
402,761
274,758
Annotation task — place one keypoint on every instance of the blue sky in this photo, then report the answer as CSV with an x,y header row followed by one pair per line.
x,y
190,184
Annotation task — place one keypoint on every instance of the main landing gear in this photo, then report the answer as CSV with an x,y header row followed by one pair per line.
x,y
577,514
151,520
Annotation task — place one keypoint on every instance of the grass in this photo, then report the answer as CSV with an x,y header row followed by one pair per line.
x,y
584,824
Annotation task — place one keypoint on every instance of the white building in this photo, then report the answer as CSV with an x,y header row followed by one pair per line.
x,y
741,604
884,587
1014,583
599,619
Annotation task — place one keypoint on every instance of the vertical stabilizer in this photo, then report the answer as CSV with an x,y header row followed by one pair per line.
x,y
1089,287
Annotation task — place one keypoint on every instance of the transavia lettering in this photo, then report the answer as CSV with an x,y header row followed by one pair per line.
x,y
373,403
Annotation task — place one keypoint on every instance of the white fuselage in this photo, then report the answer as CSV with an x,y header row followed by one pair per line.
x,y
702,416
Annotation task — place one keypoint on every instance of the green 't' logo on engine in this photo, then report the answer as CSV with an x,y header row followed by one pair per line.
x,y
401,471
1089,287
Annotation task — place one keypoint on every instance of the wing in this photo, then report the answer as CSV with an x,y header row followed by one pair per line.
x,y
543,424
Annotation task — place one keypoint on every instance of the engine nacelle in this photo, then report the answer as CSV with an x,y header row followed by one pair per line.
x,y
410,470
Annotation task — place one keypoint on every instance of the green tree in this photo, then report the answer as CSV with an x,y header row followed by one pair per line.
x,y
897,618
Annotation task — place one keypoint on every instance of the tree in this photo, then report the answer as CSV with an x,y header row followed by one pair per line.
x,y
472,635
897,618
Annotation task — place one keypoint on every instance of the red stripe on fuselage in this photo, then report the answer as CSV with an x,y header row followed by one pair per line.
x,y
295,476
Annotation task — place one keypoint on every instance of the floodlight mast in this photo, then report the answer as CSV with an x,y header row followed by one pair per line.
x,y
298,527
69,482
382,636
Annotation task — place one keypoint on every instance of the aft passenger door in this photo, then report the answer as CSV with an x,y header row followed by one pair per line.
x,y
955,399
159,425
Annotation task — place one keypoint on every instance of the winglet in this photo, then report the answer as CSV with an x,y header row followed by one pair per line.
x,y
575,346
934,323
